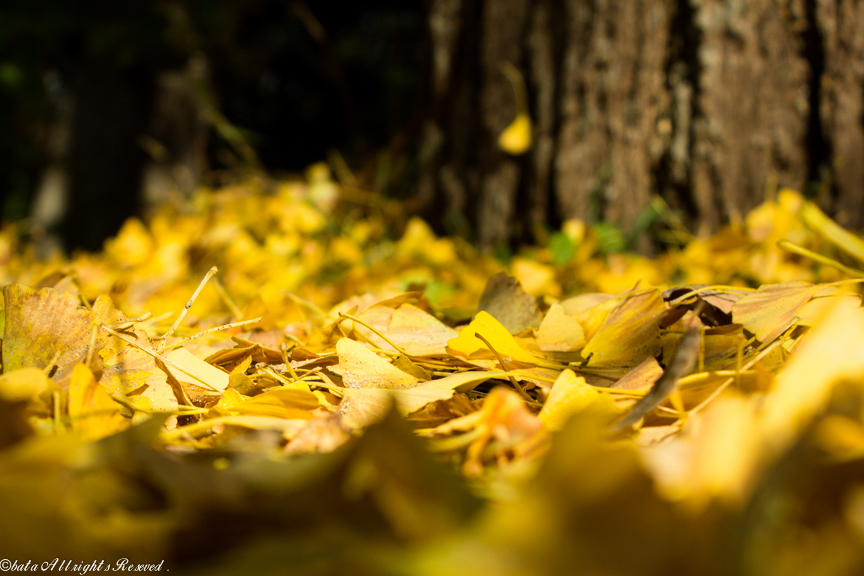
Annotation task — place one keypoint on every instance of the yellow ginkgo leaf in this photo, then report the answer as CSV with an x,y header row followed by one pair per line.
x,y
641,377
186,367
45,327
769,311
290,403
91,410
559,332
23,384
361,407
591,312
517,138
418,332
362,368
132,372
818,306
832,353
467,344
630,333
569,395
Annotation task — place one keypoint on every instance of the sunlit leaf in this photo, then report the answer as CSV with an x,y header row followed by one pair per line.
x,y
417,332
569,395
833,352
92,412
629,333
468,345
559,332
289,403
769,311
362,368
44,327
186,367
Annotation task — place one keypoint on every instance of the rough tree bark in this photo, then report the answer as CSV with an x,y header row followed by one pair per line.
x,y
841,34
711,104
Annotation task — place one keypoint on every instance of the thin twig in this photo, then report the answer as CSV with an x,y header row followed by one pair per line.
x,y
159,357
189,303
513,380
377,332
91,346
283,348
728,381
124,325
210,331
683,361
235,310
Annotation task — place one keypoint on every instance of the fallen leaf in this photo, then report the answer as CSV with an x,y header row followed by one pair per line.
x,y
92,412
45,326
569,395
362,368
468,345
417,332
287,403
506,301
770,310
188,368
640,377
560,332
133,373
361,407
630,333
23,384
832,353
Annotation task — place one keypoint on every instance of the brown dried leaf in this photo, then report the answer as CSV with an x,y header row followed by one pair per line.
x,y
44,324
508,303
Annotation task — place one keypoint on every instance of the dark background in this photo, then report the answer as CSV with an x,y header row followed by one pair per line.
x,y
298,80
645,113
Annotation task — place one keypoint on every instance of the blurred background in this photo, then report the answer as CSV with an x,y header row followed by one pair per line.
x,y
126,101
495,120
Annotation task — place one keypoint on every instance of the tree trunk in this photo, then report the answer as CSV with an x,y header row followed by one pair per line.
x,y
111,110
711,104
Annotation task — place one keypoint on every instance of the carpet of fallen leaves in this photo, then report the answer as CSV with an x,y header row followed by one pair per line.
x,y
332,401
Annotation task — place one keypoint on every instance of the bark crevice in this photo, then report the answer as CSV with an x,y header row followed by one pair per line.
x,y
711,104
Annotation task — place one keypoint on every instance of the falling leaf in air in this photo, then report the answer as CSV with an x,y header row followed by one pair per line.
x,y
516,138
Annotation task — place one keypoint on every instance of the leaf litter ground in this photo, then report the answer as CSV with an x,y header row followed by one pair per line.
x,y
333,402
